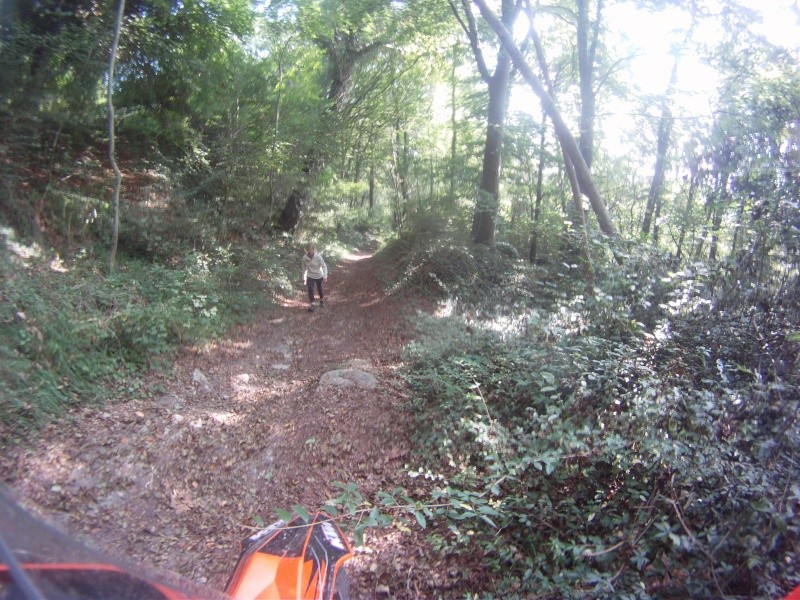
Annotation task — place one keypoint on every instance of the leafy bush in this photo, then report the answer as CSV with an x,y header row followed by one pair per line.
x,y
50,358
658,462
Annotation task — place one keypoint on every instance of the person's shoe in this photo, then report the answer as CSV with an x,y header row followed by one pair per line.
x,y
321,303
311,308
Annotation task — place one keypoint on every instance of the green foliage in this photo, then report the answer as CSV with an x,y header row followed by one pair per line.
x,y
51,67
357,514
590,465
69,334
50,359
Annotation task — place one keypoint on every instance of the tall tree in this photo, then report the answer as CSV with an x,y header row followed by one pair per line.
x,y
569,166
662,146
111,140
498,85
588,35
585,181
536,211
663,139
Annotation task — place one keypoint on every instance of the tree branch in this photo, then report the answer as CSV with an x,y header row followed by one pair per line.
x,y
472,34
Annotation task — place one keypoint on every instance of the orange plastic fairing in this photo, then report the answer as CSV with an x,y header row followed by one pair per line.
x,y
298,561
268,577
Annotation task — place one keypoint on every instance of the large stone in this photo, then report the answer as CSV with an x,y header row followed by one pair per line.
x,y
348,378
199,378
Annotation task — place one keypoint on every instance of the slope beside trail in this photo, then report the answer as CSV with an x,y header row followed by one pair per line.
x,y
238,429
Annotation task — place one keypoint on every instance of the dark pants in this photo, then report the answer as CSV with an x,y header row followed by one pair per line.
x,y
310,283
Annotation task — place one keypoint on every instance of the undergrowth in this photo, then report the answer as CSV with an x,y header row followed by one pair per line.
x,y
631,441
433,262
70,333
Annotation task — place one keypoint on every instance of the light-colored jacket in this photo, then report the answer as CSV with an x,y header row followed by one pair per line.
x,y
314,267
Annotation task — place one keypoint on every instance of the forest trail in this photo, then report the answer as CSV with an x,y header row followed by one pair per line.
x,y
236,430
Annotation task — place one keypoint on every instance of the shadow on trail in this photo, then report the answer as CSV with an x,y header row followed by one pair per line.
x,y
238,430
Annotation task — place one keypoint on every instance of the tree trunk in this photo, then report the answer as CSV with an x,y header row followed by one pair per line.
x,y
587,49
405,168
688,210
715,226
577,202
717,211
486,204
293,210
716,208
371,189
656,221
111,141
483,223
453,127
537,209
657,184
738,227
662,146
400,185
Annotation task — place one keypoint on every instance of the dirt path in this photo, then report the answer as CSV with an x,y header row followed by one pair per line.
x,y
237,430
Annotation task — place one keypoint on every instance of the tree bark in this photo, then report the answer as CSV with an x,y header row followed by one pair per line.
x,y
453,127
689,208
533,251
657,184
400,184
718,208
371,189
662,146
577,203
293,209
483,223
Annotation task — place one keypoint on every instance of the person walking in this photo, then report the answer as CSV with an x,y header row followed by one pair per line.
x,y
315,271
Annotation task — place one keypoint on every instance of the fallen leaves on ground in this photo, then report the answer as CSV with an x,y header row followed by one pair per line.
x,y
239,430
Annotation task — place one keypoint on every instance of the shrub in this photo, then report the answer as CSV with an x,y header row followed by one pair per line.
x,y
51,358
625,466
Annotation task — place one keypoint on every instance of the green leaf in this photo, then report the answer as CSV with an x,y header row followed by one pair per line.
x,y
548,377
283,515
301,512
358,536
489,521
488,510
372,520
387,499
420,519
330,510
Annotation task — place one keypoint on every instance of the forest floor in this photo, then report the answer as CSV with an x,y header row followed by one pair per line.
x,y
239,428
